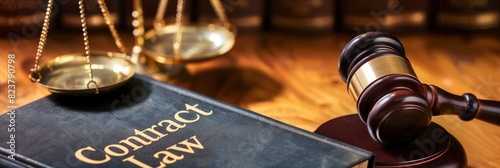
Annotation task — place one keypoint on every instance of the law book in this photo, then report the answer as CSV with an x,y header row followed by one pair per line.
x,y
465,15
302,15
148,123
9,161
246,15
393,16
70,14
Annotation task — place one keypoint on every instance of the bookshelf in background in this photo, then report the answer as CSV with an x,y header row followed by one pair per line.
x,y
70,14
246,15
149,12
466,15
21,17
385,15
302,15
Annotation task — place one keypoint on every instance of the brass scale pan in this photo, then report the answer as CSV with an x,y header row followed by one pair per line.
x,y
69,74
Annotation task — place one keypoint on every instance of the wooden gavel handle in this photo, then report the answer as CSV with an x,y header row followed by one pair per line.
x,y
467,106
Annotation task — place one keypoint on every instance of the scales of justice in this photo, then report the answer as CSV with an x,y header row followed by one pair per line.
x,y
160,53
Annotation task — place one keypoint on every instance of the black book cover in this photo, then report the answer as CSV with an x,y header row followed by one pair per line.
x,y
147,123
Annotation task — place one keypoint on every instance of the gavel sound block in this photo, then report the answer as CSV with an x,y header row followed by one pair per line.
x,y
395,109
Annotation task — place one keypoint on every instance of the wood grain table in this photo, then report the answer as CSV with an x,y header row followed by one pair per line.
x,y
294,78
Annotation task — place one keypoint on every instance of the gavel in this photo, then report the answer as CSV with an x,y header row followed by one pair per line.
x,y
396,107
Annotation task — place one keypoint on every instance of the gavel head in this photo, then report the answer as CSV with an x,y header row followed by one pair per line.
x,y
388,95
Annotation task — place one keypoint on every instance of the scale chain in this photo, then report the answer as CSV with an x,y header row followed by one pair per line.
x,y
219,10
178,34
160,13
41,43
111,25
87,46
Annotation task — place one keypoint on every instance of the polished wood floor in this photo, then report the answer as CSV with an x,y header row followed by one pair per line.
x,y
294,78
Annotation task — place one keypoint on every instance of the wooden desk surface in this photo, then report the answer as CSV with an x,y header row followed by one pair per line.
x,y
294,79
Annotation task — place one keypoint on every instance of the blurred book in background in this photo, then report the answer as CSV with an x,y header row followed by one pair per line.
x,y
466,15
302,15
150,9
70,14
246,15
385,15
21,17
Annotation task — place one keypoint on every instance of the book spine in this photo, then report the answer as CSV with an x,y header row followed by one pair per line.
x,y
8,159
469,15
244,14
386,15
24,16
70,14
149,12
302,15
